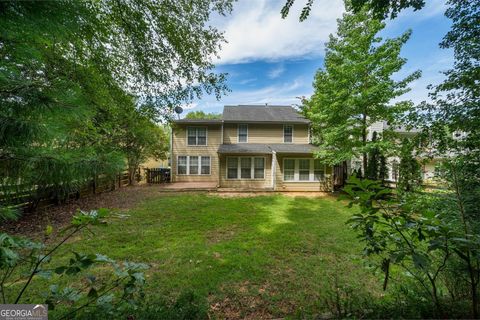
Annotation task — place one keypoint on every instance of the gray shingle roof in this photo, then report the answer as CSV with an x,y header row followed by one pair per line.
x,y
242,113
258,148
293,148
245,148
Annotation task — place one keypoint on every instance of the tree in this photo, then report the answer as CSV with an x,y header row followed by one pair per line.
x,y
380,8
202,115
410,174
452,121
68,68
355,87
140,139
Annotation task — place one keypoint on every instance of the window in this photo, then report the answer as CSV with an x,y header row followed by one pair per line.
x,y
205,165
259,171
232,168
318,170
182,165
197,136
288,134
299,170
193,165
304,169
243,133
289,170
245,168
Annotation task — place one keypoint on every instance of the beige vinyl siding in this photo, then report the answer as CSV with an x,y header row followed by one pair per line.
x,y
280,185
265,133
246,184
180,148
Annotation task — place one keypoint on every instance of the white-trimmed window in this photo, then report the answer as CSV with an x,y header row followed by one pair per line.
x,y
232,168
193,165
205,165
197,136
287,133
289,169
247,168
182,165
259,168
242,133
303,170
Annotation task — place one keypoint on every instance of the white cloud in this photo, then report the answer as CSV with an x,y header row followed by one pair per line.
x,y
276,72
256,31
280,94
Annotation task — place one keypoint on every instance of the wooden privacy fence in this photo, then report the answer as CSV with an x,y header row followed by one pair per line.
x,y
157,175
30,199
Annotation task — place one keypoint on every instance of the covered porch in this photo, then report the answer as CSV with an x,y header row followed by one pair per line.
x,y
261,167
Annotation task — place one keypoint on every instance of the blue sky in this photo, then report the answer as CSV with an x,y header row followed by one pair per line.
x,y
271,60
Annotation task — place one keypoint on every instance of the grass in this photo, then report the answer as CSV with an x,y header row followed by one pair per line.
x,y
268,256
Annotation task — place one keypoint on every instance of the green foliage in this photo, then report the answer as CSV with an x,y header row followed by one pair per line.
x,y
410,170
202,115
70,72
380,8
140,138
424,234
377,166
355,89
24,261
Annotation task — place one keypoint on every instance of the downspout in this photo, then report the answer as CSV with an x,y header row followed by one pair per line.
x,y
171,153
218,158
274,169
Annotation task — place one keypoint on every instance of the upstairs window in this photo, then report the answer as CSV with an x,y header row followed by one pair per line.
x,y
243,133
197,136
288,134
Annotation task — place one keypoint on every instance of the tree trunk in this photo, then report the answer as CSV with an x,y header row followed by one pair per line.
x,y
132,170
364,141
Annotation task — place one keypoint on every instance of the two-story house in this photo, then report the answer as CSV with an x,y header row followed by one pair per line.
x,y
250,148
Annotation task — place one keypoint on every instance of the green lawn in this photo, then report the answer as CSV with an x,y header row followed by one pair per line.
x,y
269,256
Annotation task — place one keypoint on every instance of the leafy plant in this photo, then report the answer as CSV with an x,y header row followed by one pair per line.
x,y
23,261
396,234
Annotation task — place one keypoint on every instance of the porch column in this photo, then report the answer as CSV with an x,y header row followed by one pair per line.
x,y
274,169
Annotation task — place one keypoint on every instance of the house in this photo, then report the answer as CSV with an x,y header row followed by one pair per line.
x,y
428,159
251,148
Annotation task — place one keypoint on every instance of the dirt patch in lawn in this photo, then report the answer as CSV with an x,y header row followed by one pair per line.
x,y
247,300
32,224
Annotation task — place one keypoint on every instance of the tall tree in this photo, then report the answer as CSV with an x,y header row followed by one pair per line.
x,y
140,139
380,8
452,120
355,89
67,68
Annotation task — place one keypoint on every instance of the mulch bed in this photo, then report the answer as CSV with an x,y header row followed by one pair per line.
x,y
33,224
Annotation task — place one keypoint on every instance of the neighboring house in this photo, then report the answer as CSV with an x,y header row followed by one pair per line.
x,y
427,161
251,148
